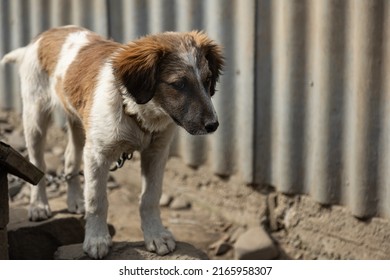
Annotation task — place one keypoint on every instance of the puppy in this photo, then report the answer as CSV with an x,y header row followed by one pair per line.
x,y
118,99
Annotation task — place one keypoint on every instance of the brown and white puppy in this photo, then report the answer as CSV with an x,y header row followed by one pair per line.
x,y
118,98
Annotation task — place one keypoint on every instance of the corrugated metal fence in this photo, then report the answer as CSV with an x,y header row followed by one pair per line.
x,y
304,99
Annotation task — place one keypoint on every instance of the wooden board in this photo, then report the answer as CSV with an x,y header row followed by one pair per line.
x,y
14,163
4,210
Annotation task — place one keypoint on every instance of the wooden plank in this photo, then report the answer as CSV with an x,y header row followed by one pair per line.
x,y
4,209
16,164
3,244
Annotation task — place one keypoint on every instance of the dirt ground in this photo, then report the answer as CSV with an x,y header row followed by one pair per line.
x,y
205,209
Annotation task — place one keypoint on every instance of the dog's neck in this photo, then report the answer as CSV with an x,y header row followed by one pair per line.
x,y
149,117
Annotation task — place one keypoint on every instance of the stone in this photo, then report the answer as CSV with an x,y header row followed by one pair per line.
x,y
39,240
224,238
222,248
132,251
255,244
179,203
165,200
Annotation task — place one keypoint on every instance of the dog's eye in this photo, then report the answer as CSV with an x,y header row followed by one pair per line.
x,y
179,85
207,83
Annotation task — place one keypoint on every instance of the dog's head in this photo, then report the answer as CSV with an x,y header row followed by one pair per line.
x,y
179,71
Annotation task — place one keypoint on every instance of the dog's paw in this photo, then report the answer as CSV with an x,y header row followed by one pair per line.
x,y
161,242
97,247
39,212
75,204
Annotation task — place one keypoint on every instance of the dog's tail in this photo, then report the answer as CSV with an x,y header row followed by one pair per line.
x,y
14,56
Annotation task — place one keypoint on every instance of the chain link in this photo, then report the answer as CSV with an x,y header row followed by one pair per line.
x,y
57,179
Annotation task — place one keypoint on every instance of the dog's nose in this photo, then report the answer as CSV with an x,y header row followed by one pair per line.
x,y
212,126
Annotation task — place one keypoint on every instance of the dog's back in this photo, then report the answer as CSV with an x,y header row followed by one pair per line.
x,y
60,66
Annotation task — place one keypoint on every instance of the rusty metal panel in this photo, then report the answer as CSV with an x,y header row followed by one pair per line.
x,y
304,99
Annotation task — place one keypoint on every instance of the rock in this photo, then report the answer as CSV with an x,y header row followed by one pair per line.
x,y
132,251
223,239
255,244
291,218
222,248
179,203
39,240
165,200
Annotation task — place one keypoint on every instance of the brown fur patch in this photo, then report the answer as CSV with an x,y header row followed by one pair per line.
x,y
50,46
82,75
60,92
136,66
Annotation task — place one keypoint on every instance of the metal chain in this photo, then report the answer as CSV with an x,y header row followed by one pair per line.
x,y
121,161
66,177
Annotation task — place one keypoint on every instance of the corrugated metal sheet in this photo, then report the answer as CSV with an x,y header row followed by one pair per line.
x,y
304,99
322,101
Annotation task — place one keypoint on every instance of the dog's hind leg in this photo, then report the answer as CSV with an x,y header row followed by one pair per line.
x,y
153,160
73,155
36,119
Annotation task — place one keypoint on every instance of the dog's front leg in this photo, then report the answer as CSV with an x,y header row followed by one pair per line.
x,y
153,160
97,240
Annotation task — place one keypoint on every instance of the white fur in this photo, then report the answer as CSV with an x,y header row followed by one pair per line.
x,y
116,124
13,56
122,133
73,43
190,58
36,119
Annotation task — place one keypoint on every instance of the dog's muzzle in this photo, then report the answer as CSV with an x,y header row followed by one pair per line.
x,y
212,126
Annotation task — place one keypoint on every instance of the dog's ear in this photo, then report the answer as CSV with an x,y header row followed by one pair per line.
x,y
213,53
136,65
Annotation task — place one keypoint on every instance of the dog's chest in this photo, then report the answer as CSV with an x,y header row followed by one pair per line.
x,y
131,137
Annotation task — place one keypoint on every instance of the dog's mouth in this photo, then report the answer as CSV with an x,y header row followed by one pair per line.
x,y
193,129
190,130
176,121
